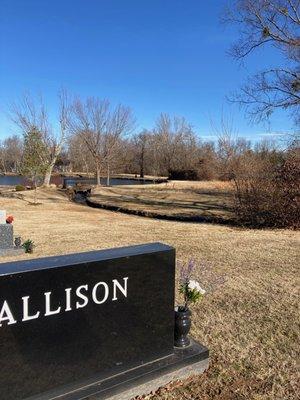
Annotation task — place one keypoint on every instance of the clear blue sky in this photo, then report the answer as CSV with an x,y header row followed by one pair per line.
x,y
152,55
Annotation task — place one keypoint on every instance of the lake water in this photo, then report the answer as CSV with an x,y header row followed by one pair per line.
x,y
12,180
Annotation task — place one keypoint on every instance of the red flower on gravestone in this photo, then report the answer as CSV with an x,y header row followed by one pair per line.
x,y
10,219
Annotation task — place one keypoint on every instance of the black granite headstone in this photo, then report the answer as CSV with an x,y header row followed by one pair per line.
x,y
67,322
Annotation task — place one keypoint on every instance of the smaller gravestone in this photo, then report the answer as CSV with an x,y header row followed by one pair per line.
x,y
6,236
2,217
7,246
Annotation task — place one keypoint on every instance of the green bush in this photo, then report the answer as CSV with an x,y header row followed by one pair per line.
x,y
20,188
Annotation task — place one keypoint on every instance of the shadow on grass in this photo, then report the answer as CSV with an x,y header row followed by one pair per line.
x,y
207,210
199,205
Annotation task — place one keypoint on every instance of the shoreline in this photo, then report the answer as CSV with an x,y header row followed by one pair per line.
x,y
161,216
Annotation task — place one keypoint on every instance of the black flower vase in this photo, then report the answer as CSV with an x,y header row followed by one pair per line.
x,y
182,327
18,241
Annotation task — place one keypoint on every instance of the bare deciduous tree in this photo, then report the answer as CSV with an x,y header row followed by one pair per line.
x,y
55,143
174,142
141,142
3,156
230,147
30,114
273,23
101,128
14,147
10,154
79,155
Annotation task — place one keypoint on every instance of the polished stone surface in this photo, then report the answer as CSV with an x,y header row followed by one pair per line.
x,y
183,368
183,363
6,236
72,320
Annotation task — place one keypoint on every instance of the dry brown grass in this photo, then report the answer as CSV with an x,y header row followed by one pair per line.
x,y
190,200
251,325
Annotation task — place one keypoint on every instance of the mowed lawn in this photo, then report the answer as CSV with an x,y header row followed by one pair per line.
x,y
251,325
209,201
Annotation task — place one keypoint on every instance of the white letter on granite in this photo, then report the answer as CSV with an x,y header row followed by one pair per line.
x,y
68,299
122,289
6,314
48,306
82,296
26,316
94,294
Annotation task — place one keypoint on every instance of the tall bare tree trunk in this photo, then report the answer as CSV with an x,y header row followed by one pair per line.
x,y
48,174
142,165
87,171
4,168
63,121
34,181
108,175
98,170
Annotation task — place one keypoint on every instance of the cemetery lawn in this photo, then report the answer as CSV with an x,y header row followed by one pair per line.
x,y
251,325
188,201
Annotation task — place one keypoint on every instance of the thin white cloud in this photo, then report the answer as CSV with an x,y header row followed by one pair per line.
x,y
268,134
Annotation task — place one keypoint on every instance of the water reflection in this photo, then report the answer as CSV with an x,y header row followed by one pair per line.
x,y
13,180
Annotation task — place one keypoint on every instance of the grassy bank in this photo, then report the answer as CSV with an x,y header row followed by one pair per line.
x,y
251,325
183,201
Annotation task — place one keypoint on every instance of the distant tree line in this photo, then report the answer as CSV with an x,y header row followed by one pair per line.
x,y
11,150
97,139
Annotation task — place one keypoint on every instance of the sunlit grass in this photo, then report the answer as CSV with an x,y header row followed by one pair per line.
x,y
251,325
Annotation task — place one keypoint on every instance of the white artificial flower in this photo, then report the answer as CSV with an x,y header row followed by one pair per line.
x,y
192,284
195,285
